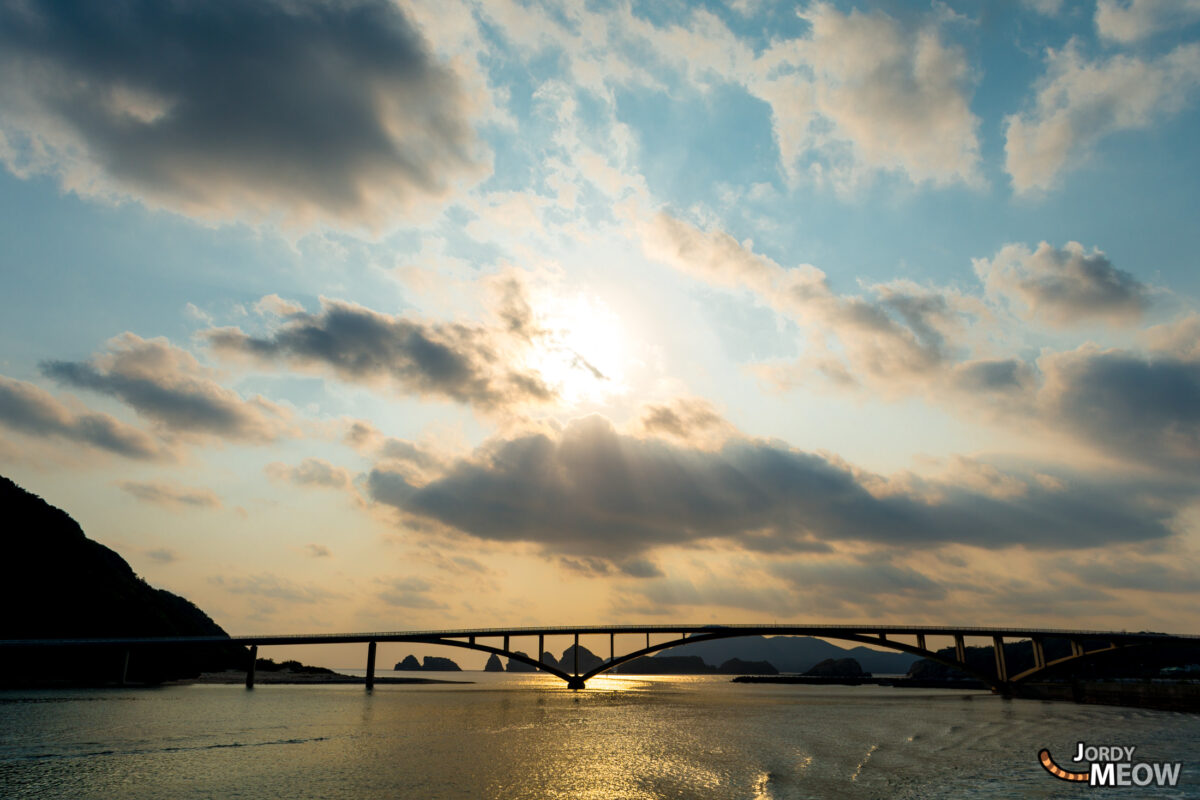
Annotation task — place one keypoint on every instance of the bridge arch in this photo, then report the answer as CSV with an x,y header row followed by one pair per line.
x,y
607,666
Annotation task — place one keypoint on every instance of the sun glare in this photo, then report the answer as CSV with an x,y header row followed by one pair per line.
x,y
582,349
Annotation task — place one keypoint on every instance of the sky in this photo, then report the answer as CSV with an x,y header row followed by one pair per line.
x,y
345,315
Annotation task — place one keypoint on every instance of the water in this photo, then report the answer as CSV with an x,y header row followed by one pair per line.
x,y
526,736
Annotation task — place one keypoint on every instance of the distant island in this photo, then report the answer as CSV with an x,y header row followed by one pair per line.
x,y
432,664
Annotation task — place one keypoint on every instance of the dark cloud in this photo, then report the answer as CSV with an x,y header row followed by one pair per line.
x,y
32,411
454,361
1126,403
857,578
987,376
1064,286
1146,576
317,551
168,386
170,496
685,419
326,110
591,491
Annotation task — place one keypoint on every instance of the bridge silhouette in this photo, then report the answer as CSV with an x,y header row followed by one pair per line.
x,y
1084,644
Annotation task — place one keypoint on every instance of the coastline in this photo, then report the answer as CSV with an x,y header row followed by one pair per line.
x,y
284,677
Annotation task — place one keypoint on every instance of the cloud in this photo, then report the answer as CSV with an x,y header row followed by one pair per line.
x,y
162,555
857,577
1129,21
295,108
169,495
1139,575
1064,287
589,490
464,362
31,411
1179,338
317,551
867,91
686,419
1126,404
167,385
411,592
1048,8
274,587
1079,102
900,333
310,472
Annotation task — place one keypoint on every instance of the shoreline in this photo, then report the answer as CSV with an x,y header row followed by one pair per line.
x,y
283,677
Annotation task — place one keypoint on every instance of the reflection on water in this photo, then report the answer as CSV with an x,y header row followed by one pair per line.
x,y
527,736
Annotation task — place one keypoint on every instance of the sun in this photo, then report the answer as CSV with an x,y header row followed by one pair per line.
x,y
581,348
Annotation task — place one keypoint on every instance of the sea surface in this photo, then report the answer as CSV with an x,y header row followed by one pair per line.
x,y
527,736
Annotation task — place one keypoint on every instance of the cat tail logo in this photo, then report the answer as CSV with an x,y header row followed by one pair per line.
x,y
1057,771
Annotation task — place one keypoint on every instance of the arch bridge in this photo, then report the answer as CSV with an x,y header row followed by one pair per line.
x,y
914,639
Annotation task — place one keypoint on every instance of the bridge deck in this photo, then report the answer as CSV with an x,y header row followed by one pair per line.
x,y
834,631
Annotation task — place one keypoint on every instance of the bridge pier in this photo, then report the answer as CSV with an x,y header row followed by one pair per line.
x,y
1001,666
921,641
250,668
1039,654
125,669
960,649
541,653
370,666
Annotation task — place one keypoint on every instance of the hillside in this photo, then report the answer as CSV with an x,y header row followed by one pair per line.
x,y
794,654
60,584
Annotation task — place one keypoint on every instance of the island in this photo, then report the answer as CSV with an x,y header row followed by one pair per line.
x,y
431,664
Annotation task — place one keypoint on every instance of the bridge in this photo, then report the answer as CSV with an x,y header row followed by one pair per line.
x,y
914,639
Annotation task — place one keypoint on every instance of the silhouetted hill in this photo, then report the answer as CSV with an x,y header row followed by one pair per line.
x,y
57,583
1138,662
838,668
794,654
666,665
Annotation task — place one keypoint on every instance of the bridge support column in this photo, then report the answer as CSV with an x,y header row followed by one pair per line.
x,y
1001,666
370,666
125,669
1076,648
647,640
250,668
612,647
921,641
577,655
541,653
1039,654
509,651
960,649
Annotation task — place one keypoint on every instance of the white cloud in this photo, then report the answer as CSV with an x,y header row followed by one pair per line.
x,y
1079,102
864,92
1129,21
